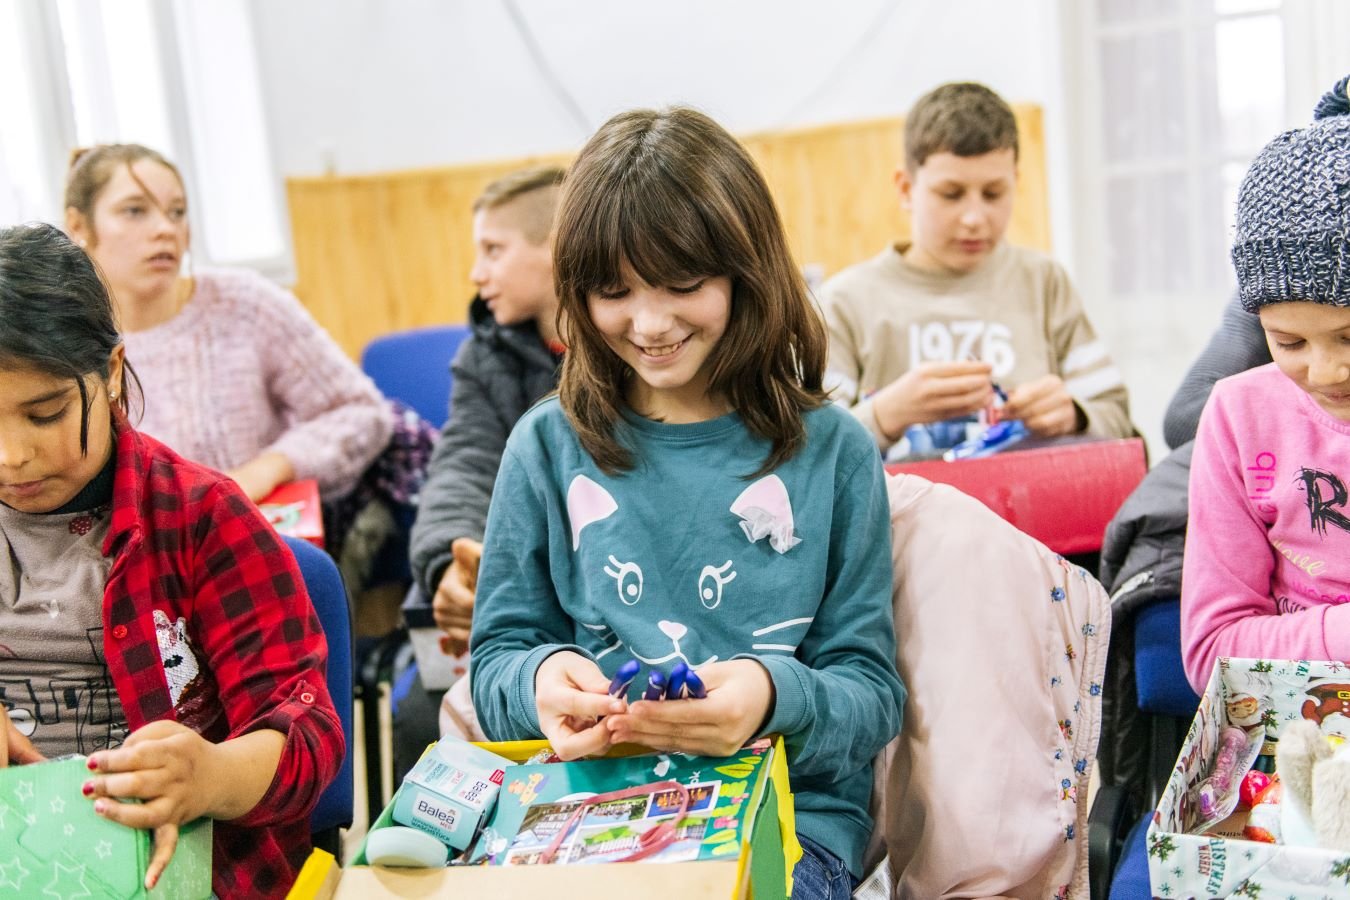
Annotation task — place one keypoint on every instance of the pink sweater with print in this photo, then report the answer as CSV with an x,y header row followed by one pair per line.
x,y
1267,564
243,369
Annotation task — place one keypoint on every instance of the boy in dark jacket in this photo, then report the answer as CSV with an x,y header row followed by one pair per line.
x,y
510,361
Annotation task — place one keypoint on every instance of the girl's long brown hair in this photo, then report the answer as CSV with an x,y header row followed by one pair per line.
x,y
672,195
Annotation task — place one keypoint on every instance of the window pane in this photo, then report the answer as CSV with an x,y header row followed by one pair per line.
x,y
136,71
1214,234
116,73
1249,75
1143,108
1229,7
239,197
1117,11
26,191
1149,233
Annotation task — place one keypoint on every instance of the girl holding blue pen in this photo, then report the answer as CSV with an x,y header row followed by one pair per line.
x,y
692,498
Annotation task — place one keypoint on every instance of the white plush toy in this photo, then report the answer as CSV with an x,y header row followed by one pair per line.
x,y
1315,773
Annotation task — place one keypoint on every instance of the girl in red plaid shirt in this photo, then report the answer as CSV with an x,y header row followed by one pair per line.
x,y
146,597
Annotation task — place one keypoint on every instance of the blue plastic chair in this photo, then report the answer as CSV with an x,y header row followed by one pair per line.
x,y
1163,693
1130,881
326,591
1162,689
414,366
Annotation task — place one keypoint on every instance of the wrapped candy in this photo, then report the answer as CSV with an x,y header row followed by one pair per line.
x,y
1217,787
1253,783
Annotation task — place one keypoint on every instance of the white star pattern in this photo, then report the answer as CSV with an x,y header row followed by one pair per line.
x,y
54,889
30,819
69,830
12,874
24,792
58,805
103,849
3,809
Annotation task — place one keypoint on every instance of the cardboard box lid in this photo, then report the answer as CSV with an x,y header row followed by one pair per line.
x,y
669,881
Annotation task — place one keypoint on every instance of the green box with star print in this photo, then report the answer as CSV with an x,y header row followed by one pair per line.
x,y
52,843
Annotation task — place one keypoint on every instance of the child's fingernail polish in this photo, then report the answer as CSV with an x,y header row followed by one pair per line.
x,y
88,788
92,764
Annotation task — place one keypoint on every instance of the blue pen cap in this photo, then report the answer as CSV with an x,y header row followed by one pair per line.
x,y
624,677
656,686
675,684
694,685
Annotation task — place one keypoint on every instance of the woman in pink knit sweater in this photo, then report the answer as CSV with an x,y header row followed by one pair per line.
x,y
237,375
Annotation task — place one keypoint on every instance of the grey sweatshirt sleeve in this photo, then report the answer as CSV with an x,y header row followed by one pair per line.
x,y
1237,346
463,469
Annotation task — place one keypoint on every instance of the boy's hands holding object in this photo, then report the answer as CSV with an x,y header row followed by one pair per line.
x,y
452,607
932,392
571,695
739,699
1045,407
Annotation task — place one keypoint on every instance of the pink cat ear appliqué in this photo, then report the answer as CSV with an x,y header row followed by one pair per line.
x,y
587,503
766,511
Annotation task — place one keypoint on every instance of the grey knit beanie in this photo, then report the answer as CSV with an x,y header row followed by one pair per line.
x,y
1293,213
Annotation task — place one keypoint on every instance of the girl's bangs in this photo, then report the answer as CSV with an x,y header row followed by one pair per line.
x,y
652,230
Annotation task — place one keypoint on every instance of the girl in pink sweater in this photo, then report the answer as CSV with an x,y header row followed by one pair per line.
x,y
1267,564
237,375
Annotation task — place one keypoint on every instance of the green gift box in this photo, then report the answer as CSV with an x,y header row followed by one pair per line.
x,y
52,843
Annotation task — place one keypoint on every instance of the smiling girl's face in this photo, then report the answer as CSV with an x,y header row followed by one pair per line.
x,y
666,335
1310,343
41,465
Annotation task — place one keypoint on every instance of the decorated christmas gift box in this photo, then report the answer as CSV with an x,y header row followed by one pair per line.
x,y
52,844
1261,697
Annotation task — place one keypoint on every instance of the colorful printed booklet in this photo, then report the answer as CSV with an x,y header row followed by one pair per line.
x,y
538,801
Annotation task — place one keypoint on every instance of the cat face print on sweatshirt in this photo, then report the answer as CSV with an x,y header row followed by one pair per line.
x,y
699,593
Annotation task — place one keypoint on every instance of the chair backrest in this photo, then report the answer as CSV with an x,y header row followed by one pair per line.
x,y
324,585
414,366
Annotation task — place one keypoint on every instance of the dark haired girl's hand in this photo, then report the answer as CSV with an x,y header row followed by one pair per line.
x,y
179,776
739,702
571,696
15,749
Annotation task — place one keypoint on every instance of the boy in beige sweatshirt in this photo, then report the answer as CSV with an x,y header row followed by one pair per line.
x,y
920,333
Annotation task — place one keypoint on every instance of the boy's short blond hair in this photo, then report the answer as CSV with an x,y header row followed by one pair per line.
x,y
533,196
963,118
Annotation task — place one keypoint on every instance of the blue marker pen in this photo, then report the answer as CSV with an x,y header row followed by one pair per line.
x,y
618,685
675,684
656,686
694,685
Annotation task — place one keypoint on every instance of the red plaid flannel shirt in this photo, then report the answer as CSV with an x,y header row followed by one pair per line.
x,y
185,540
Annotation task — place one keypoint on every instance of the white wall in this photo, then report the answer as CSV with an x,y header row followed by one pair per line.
x,y
360,85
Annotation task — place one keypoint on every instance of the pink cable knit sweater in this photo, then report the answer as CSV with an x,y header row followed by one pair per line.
x,y
244,368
